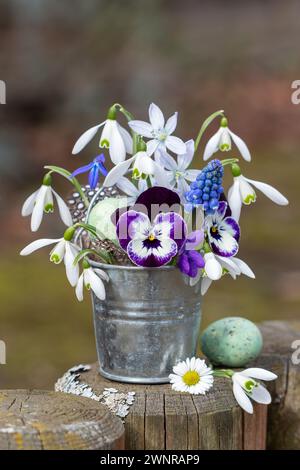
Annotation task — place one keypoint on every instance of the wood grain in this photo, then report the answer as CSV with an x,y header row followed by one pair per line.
x,y
47,420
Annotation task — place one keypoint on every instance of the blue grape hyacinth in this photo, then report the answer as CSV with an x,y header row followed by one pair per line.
x,y
207,187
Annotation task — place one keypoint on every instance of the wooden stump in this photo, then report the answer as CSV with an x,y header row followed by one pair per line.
x,y
47,420
161,418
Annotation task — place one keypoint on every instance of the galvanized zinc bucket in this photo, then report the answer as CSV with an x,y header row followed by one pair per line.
x,y
149,321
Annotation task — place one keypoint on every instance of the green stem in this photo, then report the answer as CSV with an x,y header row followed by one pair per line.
x,y
205,125
129,117
229,161
227,373
68,175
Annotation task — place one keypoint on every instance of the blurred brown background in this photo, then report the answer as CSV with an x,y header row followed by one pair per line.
x,y
64,62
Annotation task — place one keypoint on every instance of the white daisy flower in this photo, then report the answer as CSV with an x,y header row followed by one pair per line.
x,y
245,387
159,132
221,140
41,201
242,192
192,376
91,278
64,250
113,136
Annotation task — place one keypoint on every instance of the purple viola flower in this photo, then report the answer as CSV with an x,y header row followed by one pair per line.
x,y
94,168
151,244
223,232
190,260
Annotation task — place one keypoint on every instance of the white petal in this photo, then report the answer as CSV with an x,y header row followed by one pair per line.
x,y
28,205
38,244
161,176
118,171
205,285
241,146
228,263
38,210
247,192
101,274
96,283
58,252
212,145
234,199
144,164
185,159
85,138
156,117
71,270
142,128
258,373
171,123
242,398
64,212
127,139
167,161
117,150
105,137
79,288
191,175
175,144
127,186
212,268
244,268
152,146
261,395
270,192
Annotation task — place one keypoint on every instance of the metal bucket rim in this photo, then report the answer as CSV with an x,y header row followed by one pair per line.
x,y
96,264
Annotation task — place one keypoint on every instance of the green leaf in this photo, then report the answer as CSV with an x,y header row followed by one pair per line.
x,y
59,170
101,254
205,125
68,175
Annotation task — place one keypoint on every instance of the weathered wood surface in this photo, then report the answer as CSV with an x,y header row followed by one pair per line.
x,y
161,418
47,420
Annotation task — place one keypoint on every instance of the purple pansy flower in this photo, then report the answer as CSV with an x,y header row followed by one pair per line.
x,y
95,167
151,244
223,232
190,260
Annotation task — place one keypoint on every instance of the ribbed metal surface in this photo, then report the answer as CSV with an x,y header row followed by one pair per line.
x,y
149,322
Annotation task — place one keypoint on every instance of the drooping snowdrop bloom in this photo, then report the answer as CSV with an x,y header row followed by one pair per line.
x,y
221,140
151,244
41,201
245,387
192,376
132,191
64,250
223,232
242,192
113,136
91,279
177,171
159,132
94,168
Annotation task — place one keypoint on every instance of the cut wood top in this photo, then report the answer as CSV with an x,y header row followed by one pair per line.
x,y
48,420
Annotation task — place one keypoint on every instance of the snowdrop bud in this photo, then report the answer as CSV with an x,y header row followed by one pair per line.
x,y
235,170
69,233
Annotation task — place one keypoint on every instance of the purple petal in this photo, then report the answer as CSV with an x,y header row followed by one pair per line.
x,y
129,225
102,169
173,226
183,264
154,256
94,176
231,226
100,158
193,269
228,210
222,209
194,239
197,258
158,199
83,169
226,245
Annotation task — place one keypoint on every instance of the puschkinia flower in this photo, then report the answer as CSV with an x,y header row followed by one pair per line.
x,y
41,201
113,136
223,232
189,260
192,376
132,191
91,279
245,387
159,132
221,140
151,244
64,250
177,172
242,192
94,168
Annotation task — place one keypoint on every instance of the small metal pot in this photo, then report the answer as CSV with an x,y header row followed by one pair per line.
x,y
149,321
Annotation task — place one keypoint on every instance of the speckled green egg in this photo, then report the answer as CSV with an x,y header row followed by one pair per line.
x,y
231,342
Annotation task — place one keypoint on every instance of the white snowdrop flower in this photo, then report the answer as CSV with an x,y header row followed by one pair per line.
x,y
41,201
192,376
245,387
64,250
113,136
159,132
242,192
91,279
221,140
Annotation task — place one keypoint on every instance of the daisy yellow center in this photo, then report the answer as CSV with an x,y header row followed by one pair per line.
x,y
151,237
191,377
